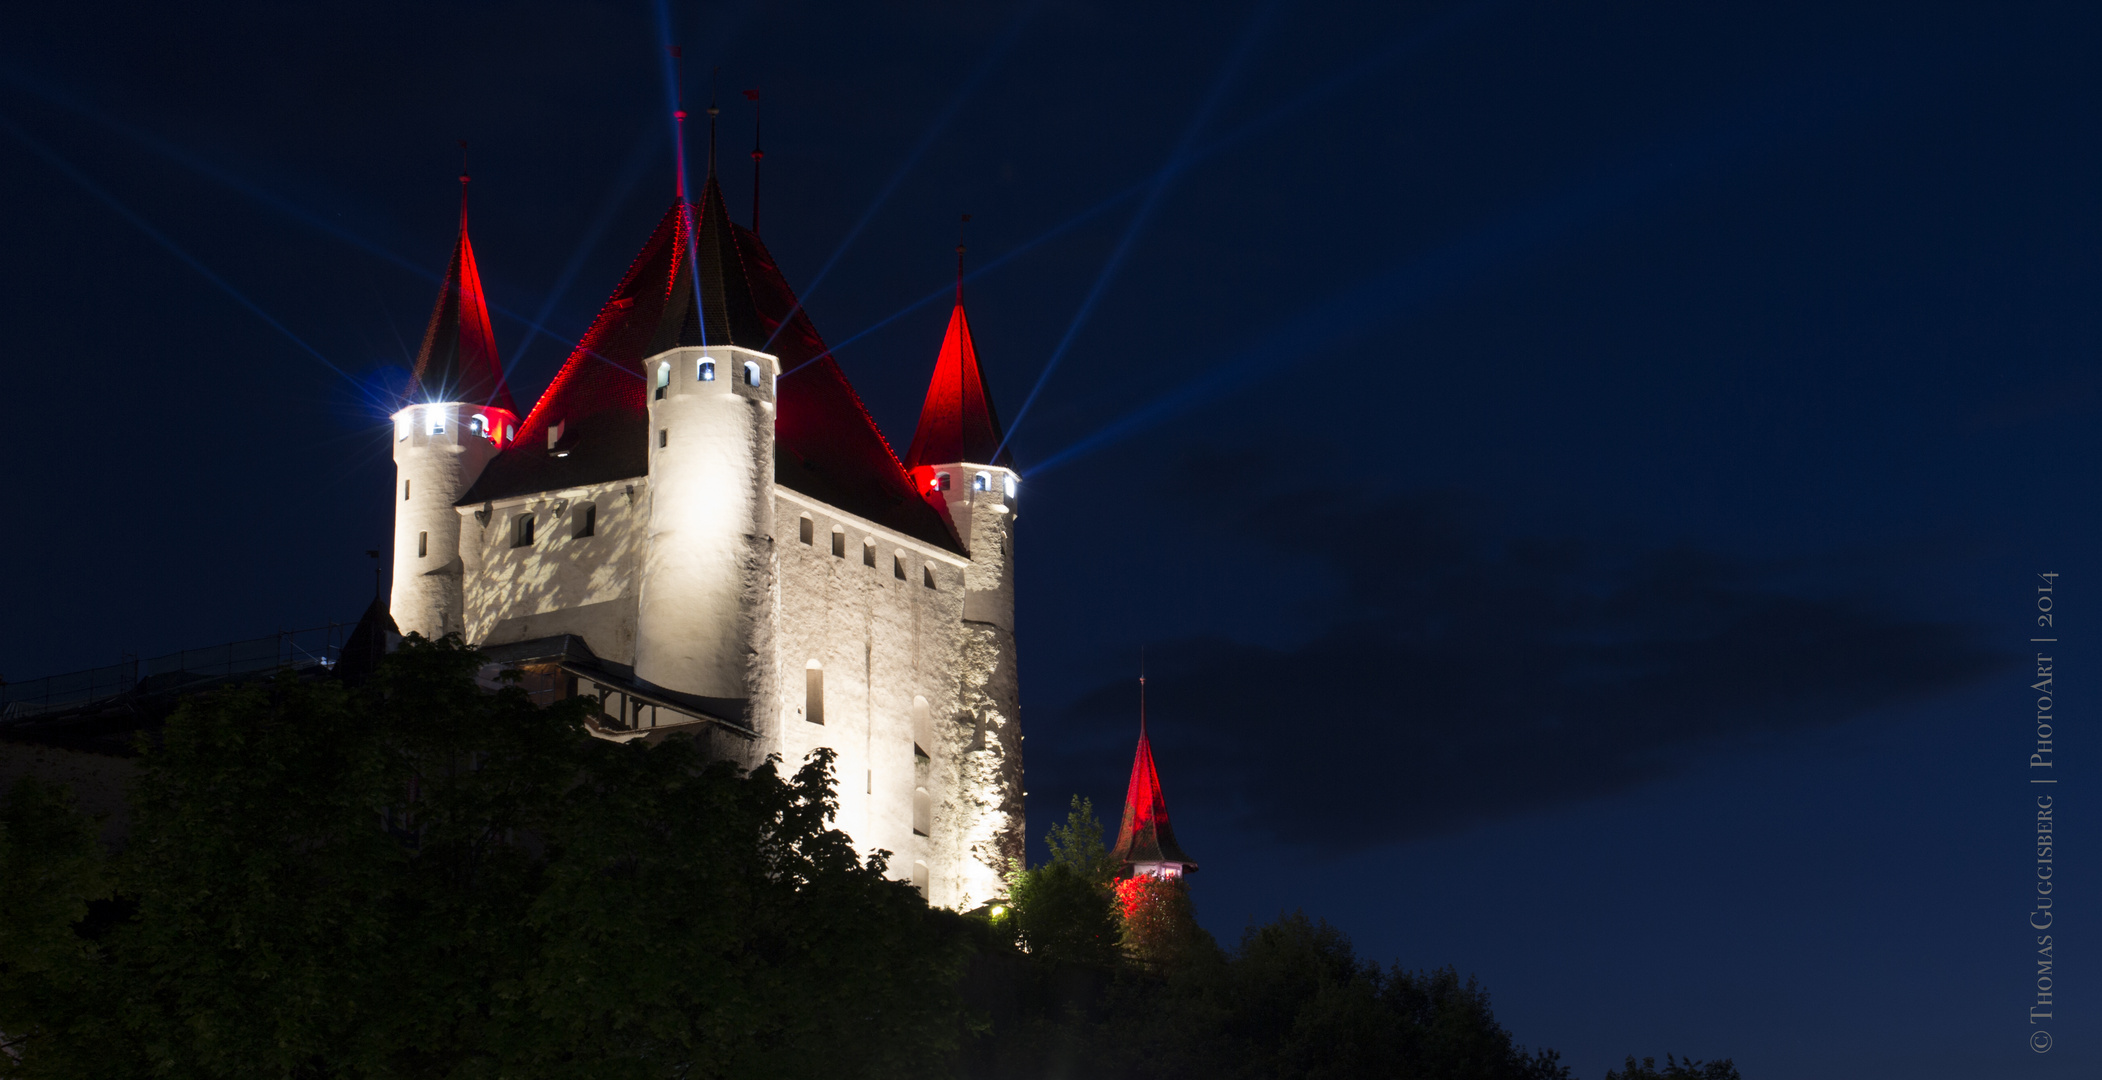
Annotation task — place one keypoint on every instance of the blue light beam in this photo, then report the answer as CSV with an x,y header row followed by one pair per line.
x,y
52,159
1178,160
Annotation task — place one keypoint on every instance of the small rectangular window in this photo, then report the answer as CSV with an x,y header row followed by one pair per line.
x,y
423,545
808,529
814,695
927,575
586,521
663,437
868,554
839,544
897,567
522,531
405,490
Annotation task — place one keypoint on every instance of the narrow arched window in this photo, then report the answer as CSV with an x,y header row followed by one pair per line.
x,y
706,372
897,566
922,727
868,553
478,424
584,521
814,692
982,482
1011,482
941,481
839,542
807,529
663,379
922,812
751,373
927,575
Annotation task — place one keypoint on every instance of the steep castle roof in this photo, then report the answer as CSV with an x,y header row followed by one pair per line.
x,y
458,360
1145,836
826,444
958,421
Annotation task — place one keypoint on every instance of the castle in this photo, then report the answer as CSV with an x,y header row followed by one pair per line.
x,y
699,526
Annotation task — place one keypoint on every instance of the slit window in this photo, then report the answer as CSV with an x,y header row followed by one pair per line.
x,y
751,373
927,575
814,693
423,545
663,438
706,372
897,567
522,531
405,490
807,529
868,553
839,542
922,812
585,521
663,379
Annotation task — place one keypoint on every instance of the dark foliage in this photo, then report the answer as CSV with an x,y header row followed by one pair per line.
x,y
417,878
1674,1069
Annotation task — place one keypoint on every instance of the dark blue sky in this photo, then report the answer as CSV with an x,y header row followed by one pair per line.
x,y
1577,472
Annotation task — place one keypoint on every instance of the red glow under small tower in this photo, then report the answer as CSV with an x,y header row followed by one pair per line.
x,y
1145,841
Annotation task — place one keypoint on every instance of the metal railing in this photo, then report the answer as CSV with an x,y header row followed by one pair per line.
x,y
296,649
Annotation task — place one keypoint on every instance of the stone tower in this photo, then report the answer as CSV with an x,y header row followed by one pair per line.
x,y
460,415
960,466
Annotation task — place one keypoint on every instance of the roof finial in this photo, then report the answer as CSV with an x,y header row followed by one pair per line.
x,y
713,112
752,96
463,185
678,116
959,258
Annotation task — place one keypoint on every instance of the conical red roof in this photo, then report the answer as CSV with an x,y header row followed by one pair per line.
x,y
458,360
826,444
1145,835
958,422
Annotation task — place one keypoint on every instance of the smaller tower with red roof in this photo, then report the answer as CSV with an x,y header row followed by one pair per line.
x,y
458,416
1145,841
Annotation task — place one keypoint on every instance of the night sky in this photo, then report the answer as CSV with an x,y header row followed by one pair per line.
x,y
1577,475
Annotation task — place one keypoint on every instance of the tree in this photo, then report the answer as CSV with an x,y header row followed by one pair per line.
x,y
1674,1069
416,877
1062,910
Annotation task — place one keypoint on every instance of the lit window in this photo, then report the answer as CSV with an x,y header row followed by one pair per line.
x,y
423,545
982,482
814,693
510,432
663,379
434,417
584,521
839,542
522,531
401,427
479,424
868,553
941,481
808,529
751,373
706,372
1011,482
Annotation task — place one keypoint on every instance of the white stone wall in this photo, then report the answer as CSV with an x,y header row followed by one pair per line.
x,y
561,583
431,471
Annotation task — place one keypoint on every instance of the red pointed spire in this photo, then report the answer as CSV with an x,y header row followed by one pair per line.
x,y
957,422
458,360
1145,840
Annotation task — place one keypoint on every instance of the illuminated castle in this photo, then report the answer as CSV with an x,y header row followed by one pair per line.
x,y
699,526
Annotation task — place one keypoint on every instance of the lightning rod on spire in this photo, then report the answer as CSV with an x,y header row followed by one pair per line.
x,y
752,96
678,116
713,112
